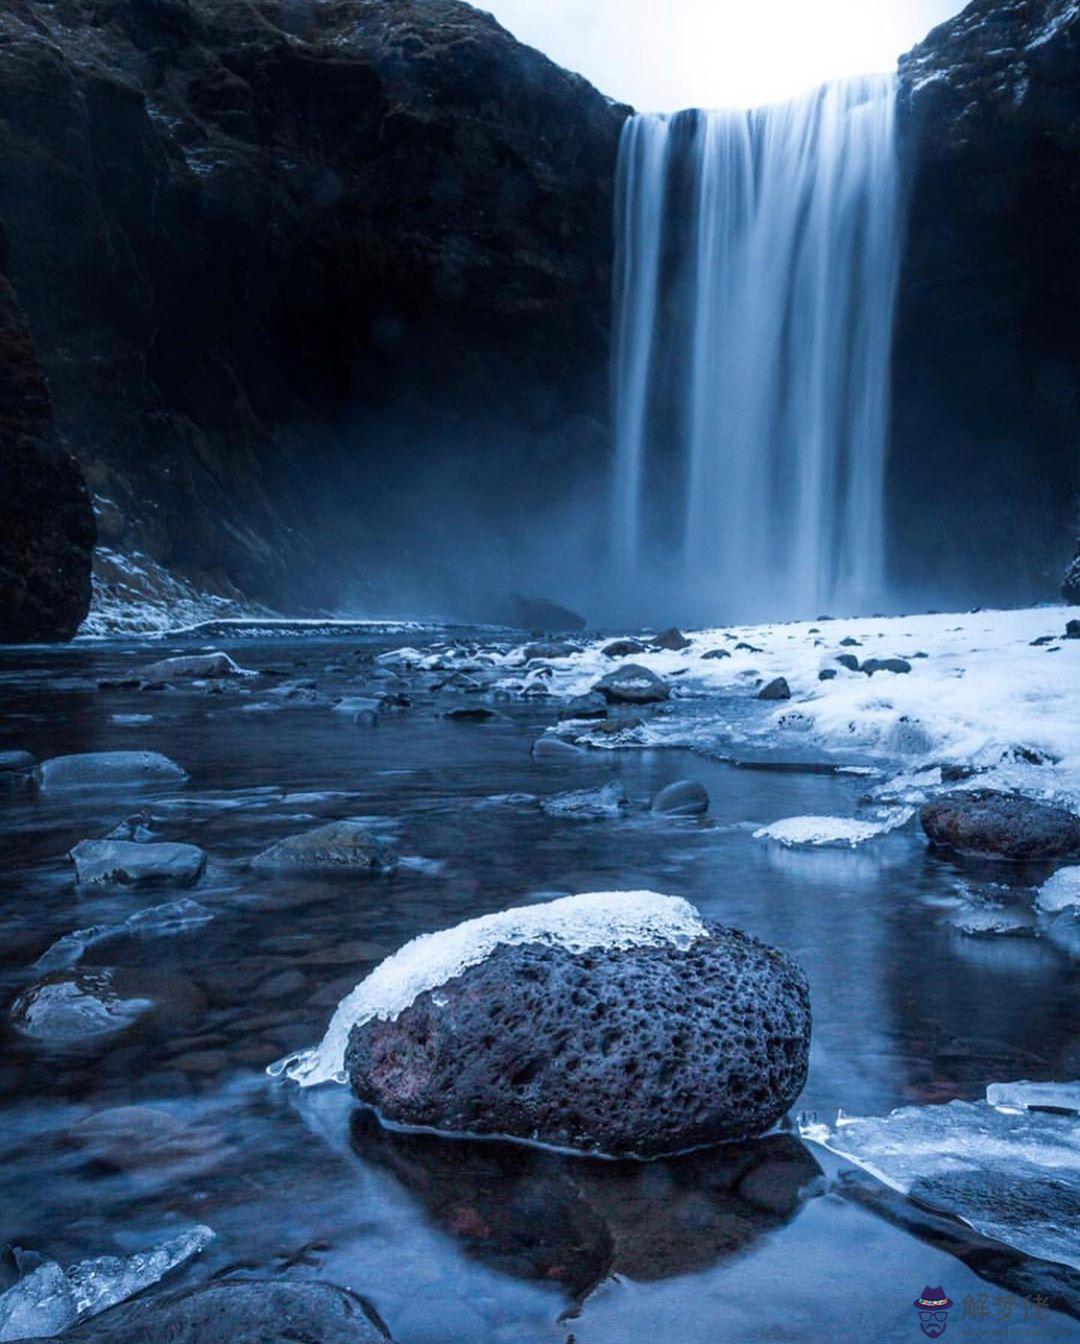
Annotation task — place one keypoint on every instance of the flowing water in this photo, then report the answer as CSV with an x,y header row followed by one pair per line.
x,y
756,275
480,1243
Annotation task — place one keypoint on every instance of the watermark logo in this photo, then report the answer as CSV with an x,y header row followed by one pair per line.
x,y
933,1308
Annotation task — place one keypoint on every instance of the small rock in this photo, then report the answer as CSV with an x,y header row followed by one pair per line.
x,y
1072,630
589,706
747,648
849,643
339,846
130,863
198,666
110,770
632,684
547,649
827,674
684,798
586,804
872,665
998,825
622,648
847,660
715,653
613,727
553,749
777,689
472,714
136,828
672,639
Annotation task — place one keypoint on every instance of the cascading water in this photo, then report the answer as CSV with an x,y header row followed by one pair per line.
x,y
756,275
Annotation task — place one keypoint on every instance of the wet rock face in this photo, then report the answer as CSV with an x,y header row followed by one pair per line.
x,y
337,847
643,1051
986,395
263,246
1002,826
46,522
240,1312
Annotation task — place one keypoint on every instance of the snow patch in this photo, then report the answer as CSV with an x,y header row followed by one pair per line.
x,y
1060,892
833,830
609,919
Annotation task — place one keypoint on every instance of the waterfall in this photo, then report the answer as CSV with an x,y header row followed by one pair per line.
x,y
756,269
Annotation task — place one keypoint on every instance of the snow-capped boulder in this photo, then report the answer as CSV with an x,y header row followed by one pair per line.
x,y
338,847
615,1022
194,667
111,770
135,863
632,684
997,825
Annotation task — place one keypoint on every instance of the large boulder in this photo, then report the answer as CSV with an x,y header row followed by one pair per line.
x,y
188,667
46,520
997,825
617,1023
135,864
632,684
337,847
240,1311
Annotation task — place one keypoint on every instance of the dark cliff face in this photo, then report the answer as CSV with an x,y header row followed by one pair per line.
x,y
986,452
285,259
47,532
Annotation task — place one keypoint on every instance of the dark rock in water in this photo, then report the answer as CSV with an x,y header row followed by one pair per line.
x,y
548,648
847,660
716,653
777,689
1072,630
827,674
18,771
46,521
997,825
623,648
1070,584
872,665
554,749
240,1311
592,705
472,714
986,405
110,770
645,1050
849,642
127,863
532,613
338,847
246,233
673,640
684,798
747,648
193,666
632,684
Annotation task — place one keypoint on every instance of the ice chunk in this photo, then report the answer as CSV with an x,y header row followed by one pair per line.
x,y
1060,892
109,770
195,666
66,1010
158,920
1027,1096
833,830
598,919
1011,1174
48,1299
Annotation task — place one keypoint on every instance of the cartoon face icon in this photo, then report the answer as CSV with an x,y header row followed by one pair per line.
x,y
933,1308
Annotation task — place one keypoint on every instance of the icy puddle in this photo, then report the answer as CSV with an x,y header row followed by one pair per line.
x,y
135,1110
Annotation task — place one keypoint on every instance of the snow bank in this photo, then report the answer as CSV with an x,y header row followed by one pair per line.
x,y
1060,892
832,830
1011,1173
615,919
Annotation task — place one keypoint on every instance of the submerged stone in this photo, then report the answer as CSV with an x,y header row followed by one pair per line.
x,y
18,771
68,1008
684,798
339,846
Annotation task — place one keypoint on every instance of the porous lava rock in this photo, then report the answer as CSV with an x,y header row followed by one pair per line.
x,y
992,824
642,1050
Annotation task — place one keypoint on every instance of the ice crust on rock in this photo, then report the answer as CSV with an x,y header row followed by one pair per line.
x,y
1027,1096
832,830
605,919
157,921
48,1299
1011,1173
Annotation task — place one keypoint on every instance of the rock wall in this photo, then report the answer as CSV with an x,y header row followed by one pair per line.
x,y
285,259
986,454
47,531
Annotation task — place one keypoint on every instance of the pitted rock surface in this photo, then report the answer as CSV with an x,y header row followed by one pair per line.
x,y
642,1051
1002,825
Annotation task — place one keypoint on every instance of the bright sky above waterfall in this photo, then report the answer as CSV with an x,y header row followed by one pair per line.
x,y
661,55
